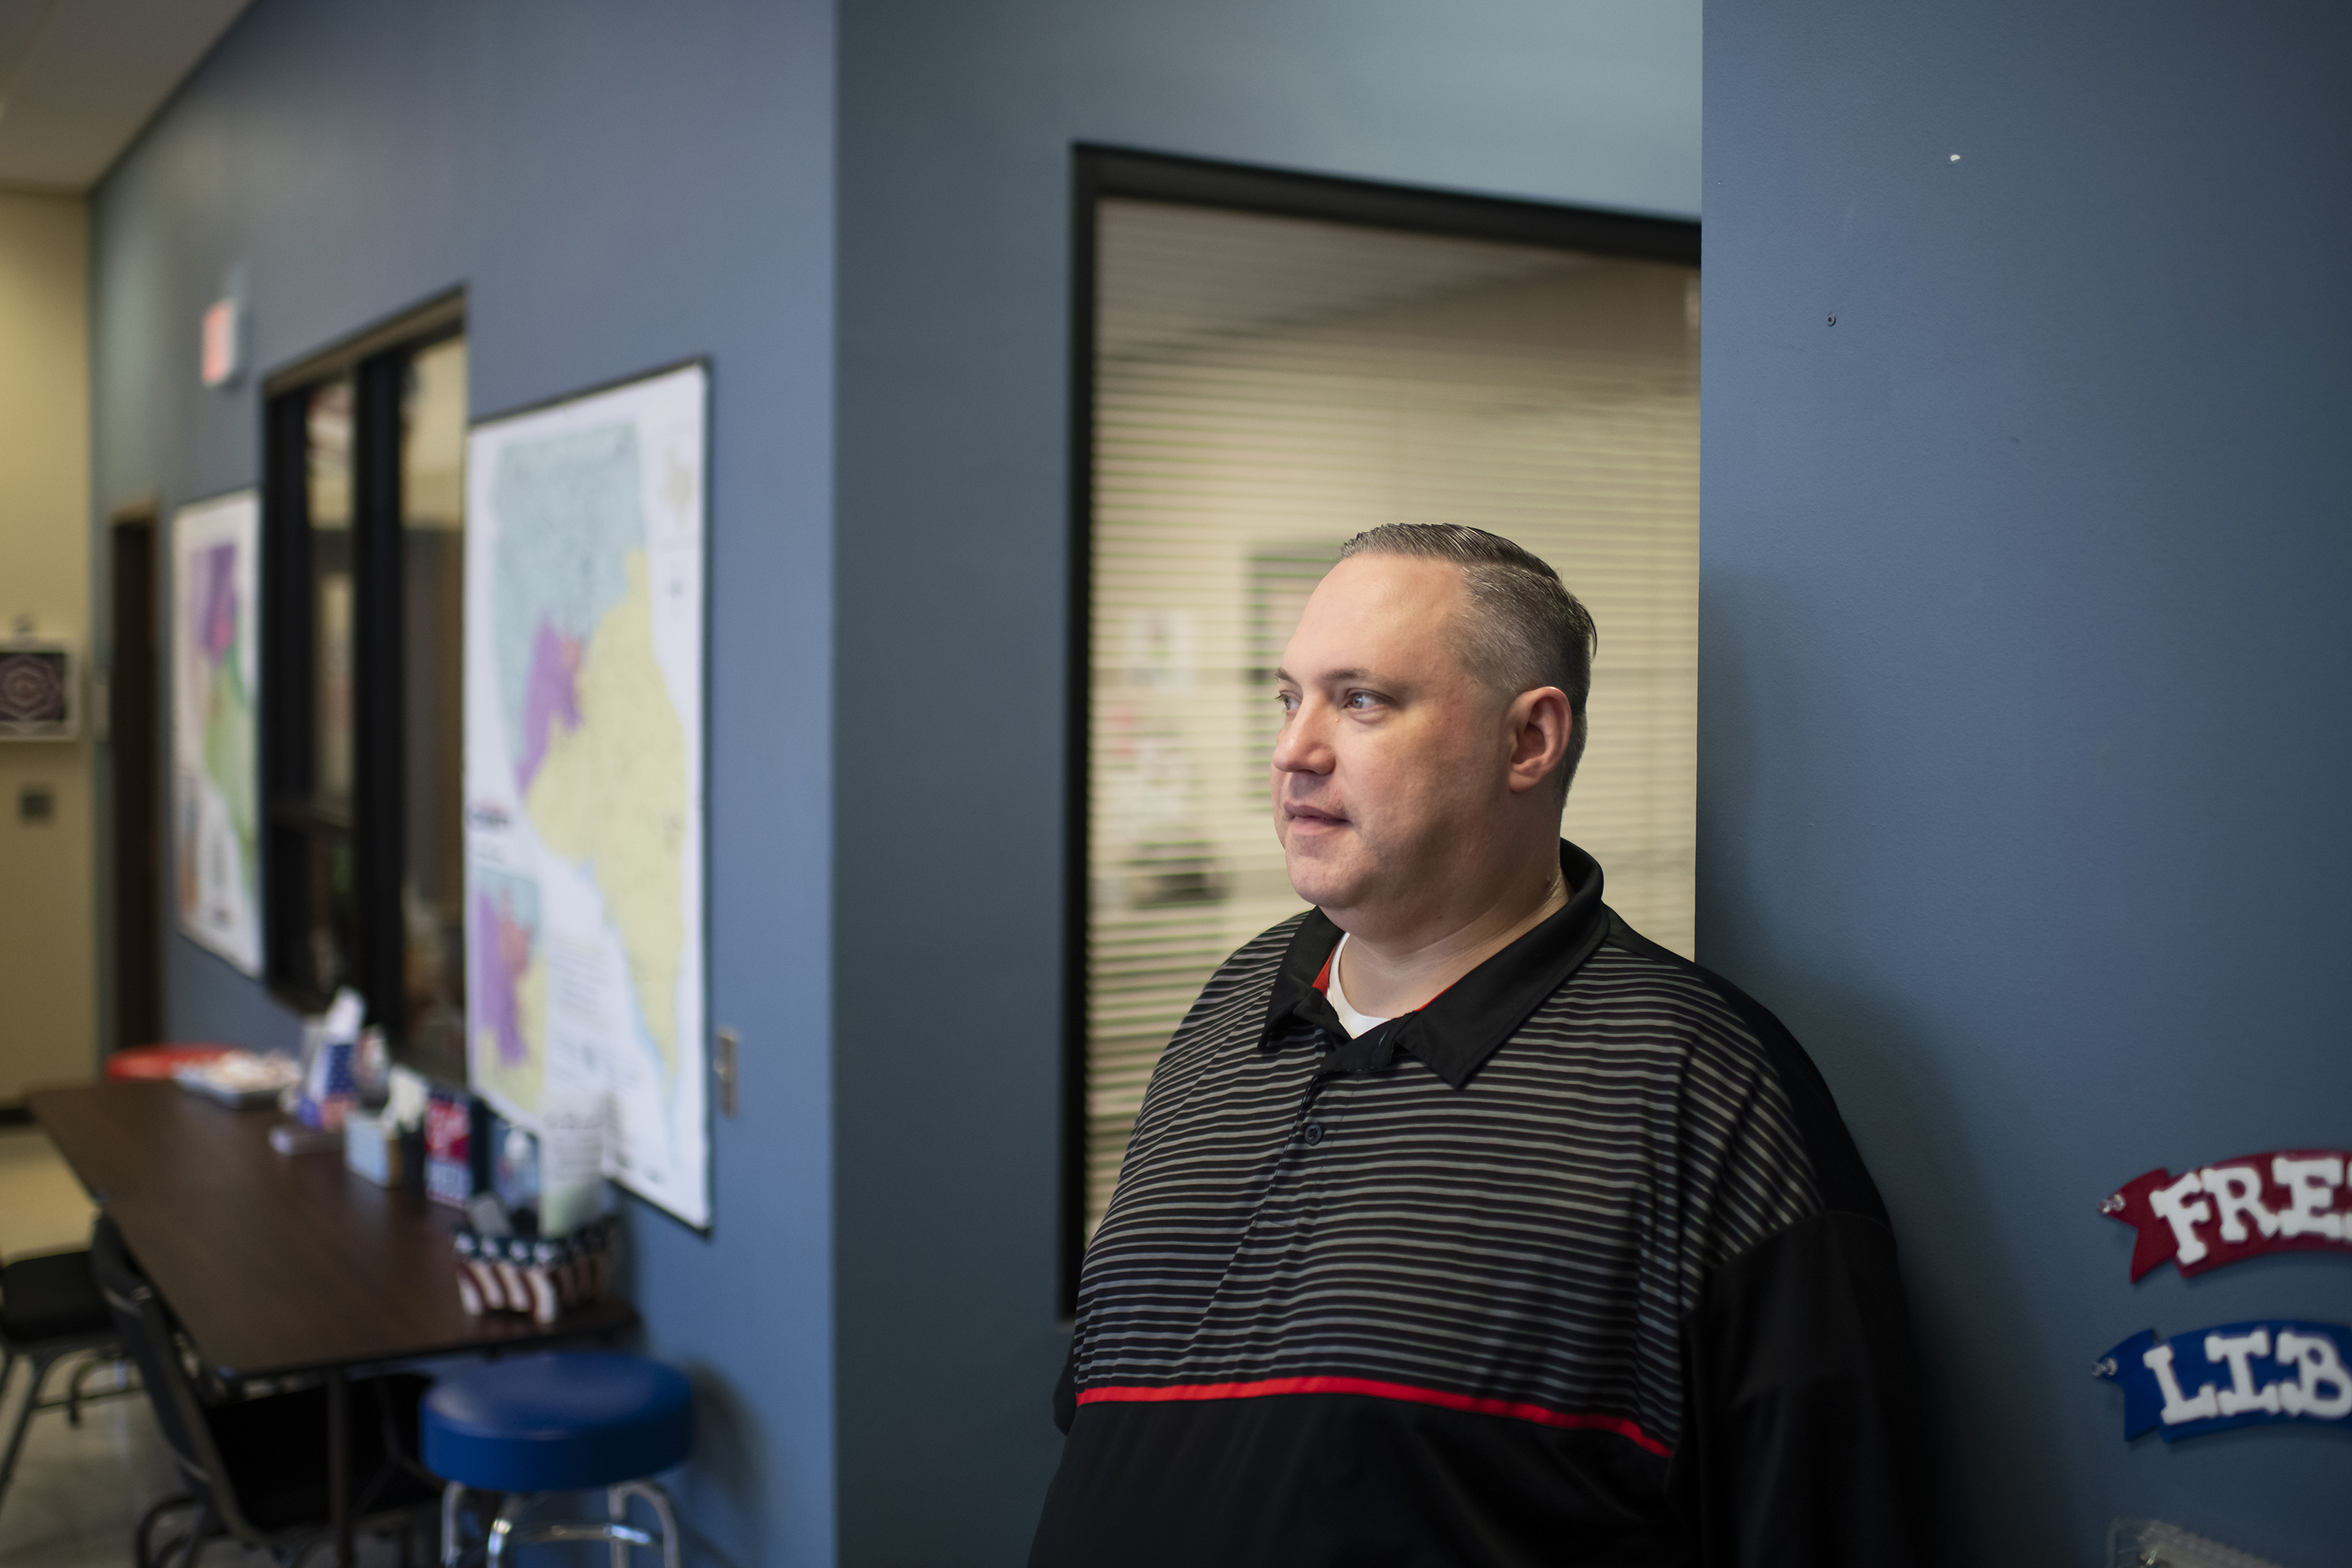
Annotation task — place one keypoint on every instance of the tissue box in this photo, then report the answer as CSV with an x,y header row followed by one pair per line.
x,y
372,1147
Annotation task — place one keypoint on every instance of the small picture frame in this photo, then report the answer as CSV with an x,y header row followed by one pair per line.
x,y
39,690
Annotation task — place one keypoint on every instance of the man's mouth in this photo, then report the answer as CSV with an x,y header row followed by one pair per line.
x,y
1312,816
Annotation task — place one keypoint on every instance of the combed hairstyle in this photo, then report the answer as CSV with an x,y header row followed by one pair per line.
x,y
1522,629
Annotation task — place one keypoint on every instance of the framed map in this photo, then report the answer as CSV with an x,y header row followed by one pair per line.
x,y
584,772
216,690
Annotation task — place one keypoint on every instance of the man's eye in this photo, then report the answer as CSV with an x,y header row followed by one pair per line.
x,y
1360,699
1289,703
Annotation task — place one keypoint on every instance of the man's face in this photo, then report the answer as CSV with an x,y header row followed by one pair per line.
x,y
1392,766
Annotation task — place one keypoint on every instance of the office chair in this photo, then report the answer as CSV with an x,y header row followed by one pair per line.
x,y
49,1309
255,1469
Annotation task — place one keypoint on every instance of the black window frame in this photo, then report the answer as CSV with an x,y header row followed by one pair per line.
x,y
1099,172
376,360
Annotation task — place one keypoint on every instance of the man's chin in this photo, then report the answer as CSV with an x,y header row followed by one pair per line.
x,y
1324,881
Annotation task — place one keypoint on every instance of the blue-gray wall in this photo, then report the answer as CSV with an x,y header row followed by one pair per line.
x,y
2023,768
956,127
617,190
2018,755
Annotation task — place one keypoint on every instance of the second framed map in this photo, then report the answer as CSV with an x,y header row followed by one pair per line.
x,y
584,595
216,696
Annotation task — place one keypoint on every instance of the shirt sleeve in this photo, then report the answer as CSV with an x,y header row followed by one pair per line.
x,y
1803,1437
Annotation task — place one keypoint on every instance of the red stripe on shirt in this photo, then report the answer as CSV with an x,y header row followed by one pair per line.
x,y
1628,1431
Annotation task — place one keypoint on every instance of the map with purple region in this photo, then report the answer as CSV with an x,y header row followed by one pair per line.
x,y
214,686
573,516
550,692
216,590
583,767
510,1001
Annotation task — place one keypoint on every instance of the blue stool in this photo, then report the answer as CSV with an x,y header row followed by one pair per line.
x,y
570,1421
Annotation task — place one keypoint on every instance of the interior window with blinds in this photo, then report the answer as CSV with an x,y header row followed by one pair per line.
x,y
1266,388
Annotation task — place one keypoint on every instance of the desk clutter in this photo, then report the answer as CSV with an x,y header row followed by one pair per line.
x,y
537,1237
540,1275
239,1079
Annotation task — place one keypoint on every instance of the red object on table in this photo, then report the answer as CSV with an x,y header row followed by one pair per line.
x,y
140,1062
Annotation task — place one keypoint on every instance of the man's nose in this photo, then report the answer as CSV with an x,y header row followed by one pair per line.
x,y
1300,747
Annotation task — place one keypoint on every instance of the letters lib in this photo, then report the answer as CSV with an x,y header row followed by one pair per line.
x,y
2232,1375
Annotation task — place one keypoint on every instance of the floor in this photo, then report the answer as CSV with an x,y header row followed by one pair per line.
x,y
78,1491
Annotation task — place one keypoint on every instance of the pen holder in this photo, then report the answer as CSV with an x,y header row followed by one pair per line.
x,y
538,1275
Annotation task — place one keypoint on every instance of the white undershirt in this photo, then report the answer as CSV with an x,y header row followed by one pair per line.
x,y
1356,1024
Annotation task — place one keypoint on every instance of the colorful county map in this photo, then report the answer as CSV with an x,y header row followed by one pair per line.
x,y
583,771
215,681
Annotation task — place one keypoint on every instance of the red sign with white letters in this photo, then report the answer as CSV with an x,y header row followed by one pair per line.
x,y
2287,1201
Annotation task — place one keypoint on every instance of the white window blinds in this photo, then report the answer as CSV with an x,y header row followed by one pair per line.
x,y
1265,388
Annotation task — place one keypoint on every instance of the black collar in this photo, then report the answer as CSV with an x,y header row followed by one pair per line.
x,y
1461,1027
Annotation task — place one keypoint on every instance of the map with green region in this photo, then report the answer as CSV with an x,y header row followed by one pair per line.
x,y
583,772
215,681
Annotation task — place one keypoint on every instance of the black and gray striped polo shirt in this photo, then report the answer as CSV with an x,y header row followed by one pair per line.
x,y
1574,1265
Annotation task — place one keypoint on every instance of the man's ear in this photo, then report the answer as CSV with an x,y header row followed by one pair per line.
x,y
1541,725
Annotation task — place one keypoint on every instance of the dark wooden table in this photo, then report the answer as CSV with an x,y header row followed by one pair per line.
x,y
275,1264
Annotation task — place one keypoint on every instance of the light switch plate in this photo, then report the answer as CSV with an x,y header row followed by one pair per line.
x,y
722,1068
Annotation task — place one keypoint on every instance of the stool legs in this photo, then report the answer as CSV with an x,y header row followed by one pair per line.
x,y
502,1527
655,1493
452,1496
507,1529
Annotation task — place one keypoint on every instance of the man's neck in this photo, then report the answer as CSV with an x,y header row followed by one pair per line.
x,y
1385,978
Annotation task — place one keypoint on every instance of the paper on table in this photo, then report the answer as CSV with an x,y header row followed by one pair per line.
x,y
241,1078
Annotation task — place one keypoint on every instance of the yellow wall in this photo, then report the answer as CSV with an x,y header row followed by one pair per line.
x,y
48,1028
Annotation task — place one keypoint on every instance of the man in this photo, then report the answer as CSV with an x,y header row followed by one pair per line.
x,y
1460,1224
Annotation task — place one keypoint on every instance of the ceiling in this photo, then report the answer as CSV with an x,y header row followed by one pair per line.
x,y
79,77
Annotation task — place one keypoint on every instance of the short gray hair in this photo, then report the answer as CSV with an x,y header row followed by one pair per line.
x,y
1523,628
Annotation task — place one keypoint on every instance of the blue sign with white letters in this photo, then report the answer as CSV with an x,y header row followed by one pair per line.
x,y
2233,1375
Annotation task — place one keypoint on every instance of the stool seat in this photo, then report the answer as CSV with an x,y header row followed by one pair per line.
x,y
139,1062
51,1297
565,1421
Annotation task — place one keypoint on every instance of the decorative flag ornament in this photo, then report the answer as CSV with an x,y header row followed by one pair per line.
x,y
2289,1201
2238,1375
